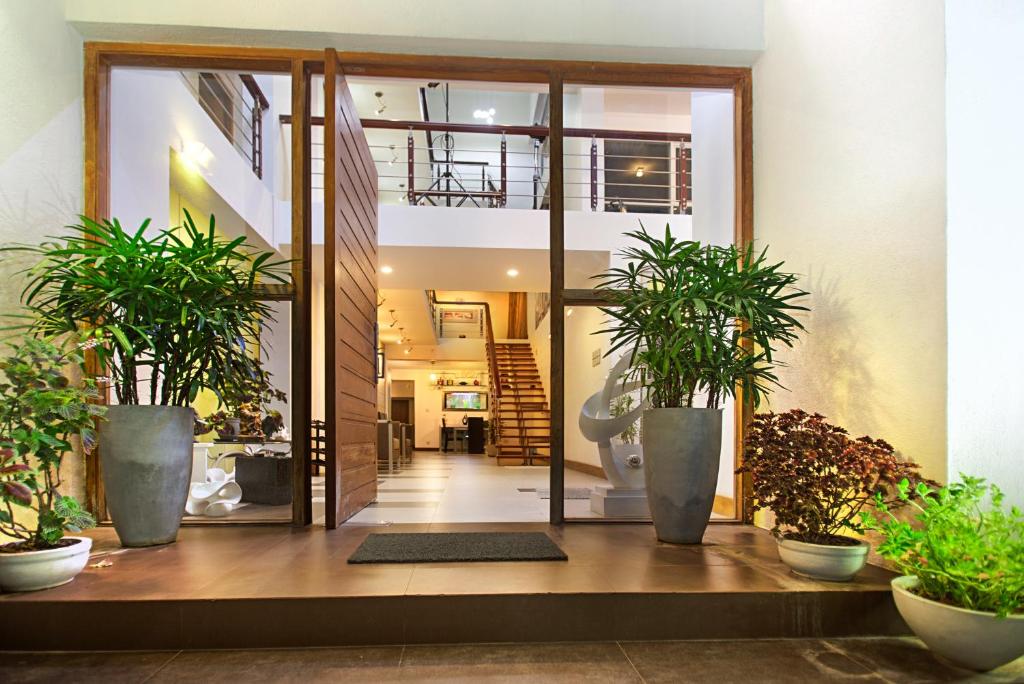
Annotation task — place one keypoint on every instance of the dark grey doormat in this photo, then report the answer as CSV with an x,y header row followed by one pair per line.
x,y
457,547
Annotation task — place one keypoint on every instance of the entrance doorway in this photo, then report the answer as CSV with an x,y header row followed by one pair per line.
x,y
355,356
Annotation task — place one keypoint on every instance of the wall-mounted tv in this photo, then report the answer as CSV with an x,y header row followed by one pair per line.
x,y
465,401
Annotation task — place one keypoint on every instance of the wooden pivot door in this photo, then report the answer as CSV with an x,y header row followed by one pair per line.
x,y
350,303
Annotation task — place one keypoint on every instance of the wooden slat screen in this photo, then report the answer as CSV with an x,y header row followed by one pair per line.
x,y
350,280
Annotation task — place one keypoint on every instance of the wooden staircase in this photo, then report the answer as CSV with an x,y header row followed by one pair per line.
x,y
522,412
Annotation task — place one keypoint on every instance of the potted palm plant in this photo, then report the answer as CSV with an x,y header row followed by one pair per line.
x,y
816,480
962,556
171,312
699,322
41,412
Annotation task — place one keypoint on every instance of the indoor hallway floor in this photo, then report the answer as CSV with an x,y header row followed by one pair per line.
x,y
450,487
797,661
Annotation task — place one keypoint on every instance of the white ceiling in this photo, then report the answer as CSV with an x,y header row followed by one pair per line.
x,y
404,313
467,268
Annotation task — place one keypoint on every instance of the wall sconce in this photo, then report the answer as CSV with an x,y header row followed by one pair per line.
x,y
196,155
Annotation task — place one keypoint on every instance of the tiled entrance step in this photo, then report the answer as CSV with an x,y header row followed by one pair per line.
x,y
261,587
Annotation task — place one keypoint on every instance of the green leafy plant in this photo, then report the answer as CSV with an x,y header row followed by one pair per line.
x,y
246,395
699,318
41,411
622,405
172,309
815,478
964,545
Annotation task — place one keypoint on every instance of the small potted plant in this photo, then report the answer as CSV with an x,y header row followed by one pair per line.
x,y
816,480
245,397
41,412
962,556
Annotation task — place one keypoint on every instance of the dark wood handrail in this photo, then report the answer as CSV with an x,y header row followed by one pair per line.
x,y
492,355
532,131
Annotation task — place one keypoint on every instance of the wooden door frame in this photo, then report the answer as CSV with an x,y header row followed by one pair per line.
x,y
100,57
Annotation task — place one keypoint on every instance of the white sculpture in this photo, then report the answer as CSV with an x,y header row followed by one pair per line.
x,y
622,463
217,496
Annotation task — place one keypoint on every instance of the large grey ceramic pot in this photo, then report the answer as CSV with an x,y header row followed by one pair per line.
x,y
146,454
682,448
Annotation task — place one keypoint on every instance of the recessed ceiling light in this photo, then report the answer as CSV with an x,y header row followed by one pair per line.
x,y
484,114
386,269
512,273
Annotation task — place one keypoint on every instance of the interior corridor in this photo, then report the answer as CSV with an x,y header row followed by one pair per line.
x,y
458,487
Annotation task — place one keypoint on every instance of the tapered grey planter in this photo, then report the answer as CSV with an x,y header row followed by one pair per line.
x,y
682,449
146,455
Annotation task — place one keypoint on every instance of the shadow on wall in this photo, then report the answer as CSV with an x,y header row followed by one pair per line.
x,y
36,214
826,370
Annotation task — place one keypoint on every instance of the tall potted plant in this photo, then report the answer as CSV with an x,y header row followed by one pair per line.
x,y
170,312
41,412
817,480
962,556
699,322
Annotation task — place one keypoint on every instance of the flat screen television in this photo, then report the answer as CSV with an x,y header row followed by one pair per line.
x,y
465,401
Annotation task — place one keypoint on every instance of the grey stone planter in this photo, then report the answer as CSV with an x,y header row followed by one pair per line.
x,y
146,455
682,449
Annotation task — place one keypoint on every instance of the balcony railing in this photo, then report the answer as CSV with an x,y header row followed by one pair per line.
x,y
236,104
605,170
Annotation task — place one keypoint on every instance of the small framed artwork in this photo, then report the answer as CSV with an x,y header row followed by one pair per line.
x,y
459,315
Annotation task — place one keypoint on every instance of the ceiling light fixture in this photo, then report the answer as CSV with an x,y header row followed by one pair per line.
x,y
380,103
511,273
386,270
485,115
639,172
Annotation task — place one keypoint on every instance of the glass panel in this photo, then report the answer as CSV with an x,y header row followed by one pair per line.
x,y
660,158
211,143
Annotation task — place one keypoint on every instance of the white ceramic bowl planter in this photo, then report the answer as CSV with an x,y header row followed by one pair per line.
x,y
823,562
969,638
32,570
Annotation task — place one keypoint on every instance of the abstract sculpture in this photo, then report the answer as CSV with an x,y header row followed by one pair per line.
x,y
622,463
216,497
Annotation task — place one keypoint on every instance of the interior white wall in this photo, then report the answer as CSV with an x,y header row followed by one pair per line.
x,y
684,31
153,112
429,400
713,167
985,143
849,191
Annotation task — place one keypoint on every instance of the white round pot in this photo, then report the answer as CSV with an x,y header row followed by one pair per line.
x,y
32,570
968,638
823,562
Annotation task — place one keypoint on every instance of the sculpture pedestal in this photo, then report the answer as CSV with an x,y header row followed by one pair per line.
x,y
619,502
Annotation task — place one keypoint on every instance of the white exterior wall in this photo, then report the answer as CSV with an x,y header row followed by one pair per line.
x,y
849,190
985,236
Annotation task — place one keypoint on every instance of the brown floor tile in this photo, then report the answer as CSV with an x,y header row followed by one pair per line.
x,y
19,668
554,577
689,578
796,661
908,660
375,664
569,662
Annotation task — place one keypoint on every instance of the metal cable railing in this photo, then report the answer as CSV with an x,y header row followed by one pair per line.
x,y
236,105
621,170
